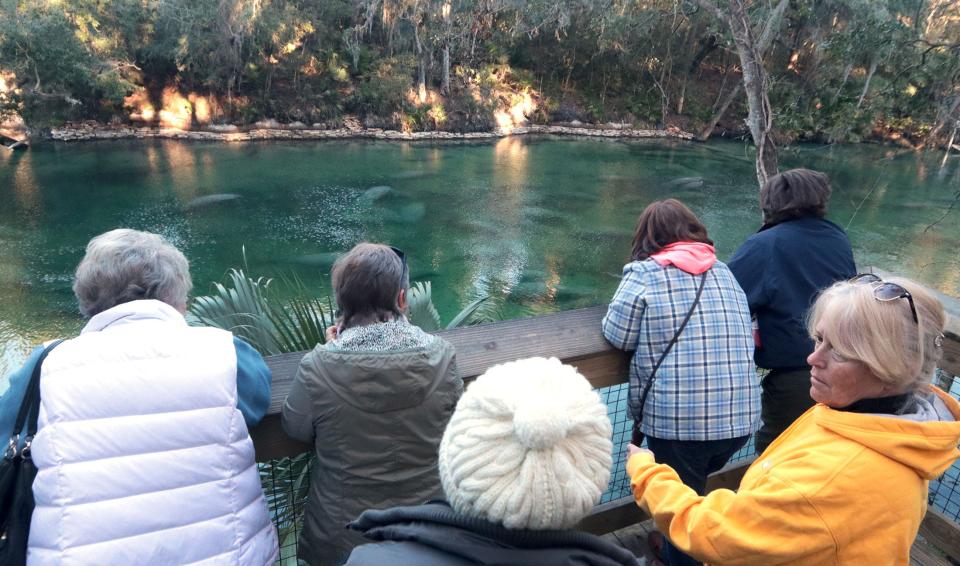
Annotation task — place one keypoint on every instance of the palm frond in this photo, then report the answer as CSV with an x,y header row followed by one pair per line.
x,y
467,313
302,321
420,308
242,308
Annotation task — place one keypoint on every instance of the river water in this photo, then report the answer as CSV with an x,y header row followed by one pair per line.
x,y
539,224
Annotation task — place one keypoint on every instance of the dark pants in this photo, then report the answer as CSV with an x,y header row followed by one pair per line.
x,y
786,396
693,460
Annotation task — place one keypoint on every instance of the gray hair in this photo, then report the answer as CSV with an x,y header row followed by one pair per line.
x,y
128,265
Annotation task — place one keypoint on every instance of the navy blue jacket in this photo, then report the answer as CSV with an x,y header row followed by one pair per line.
x,y
781,268
435,535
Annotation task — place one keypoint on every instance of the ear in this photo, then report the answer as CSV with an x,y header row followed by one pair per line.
x,y
402,300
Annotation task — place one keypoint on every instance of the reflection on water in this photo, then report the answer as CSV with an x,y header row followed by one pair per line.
x,y
24,185
538,224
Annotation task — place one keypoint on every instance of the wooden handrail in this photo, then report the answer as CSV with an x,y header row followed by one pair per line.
x,y
574,337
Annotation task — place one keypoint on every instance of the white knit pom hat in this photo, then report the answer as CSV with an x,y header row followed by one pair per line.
x,y
528,446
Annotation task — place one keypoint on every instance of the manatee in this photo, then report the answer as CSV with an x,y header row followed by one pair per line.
x,y
686,183
374,193
209,200
409,213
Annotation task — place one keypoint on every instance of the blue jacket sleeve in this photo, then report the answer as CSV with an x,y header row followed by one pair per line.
x,y
621,324
750,266
253,383
13,397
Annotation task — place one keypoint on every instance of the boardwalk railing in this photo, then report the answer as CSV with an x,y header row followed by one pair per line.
x,y
573,337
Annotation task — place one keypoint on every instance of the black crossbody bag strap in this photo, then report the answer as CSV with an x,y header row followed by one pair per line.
x,y
30,406
653,374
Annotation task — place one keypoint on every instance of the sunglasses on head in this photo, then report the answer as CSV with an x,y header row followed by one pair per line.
x,y
885,291
403,261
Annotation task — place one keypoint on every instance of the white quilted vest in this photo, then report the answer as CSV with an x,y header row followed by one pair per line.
x,y
142,454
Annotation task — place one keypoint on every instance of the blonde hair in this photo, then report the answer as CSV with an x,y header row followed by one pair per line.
x,y
882,335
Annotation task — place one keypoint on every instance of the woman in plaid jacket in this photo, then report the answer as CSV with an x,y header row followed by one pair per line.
x,y
704,402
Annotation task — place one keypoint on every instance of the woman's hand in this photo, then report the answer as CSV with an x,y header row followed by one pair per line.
x,y
634,449
332,333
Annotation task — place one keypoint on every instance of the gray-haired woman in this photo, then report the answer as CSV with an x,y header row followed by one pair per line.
x,y
374,401
143,451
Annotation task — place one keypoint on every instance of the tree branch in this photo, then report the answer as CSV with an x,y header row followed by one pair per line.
x,y
771,27
709,6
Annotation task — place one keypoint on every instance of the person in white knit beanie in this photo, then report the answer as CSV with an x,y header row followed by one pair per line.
x,y
525,457
528,447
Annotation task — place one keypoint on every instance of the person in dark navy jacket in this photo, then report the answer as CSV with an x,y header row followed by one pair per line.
x,y
795,254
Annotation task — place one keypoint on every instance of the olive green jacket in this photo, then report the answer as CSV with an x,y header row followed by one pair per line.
x,y
376,420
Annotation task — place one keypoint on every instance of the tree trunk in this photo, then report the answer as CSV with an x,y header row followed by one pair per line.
x,y
708,129
953,136
421,67
445,80
750,50
759,114
866,85
846,75
683,94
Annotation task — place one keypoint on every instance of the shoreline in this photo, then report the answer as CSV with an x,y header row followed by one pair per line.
x,y
101,132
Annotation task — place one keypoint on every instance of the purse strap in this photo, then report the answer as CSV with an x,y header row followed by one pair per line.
x,y
30,406
676,336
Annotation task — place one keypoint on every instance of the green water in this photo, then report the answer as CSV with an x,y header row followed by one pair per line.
x,y
538,224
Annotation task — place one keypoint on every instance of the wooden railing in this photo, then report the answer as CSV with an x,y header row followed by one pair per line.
x,y
574,337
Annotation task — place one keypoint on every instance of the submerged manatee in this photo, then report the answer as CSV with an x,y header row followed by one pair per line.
x,y
209,200
686,183
412,212
374,193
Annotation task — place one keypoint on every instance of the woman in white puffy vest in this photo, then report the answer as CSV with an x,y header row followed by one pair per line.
x,y
143,451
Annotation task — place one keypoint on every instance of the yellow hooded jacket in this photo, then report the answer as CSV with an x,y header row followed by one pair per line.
x,y
835,488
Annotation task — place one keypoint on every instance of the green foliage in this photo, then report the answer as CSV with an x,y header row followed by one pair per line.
x,y
249,309
285,483
383,90
839,69
252,309
422,313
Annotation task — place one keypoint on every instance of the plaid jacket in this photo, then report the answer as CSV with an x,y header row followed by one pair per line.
x,y
707,387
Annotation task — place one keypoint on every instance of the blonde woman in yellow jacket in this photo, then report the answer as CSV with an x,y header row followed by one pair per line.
x,y
847,482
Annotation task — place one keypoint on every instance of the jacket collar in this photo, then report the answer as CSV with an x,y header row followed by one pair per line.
x,y
412,523
134,311
926,440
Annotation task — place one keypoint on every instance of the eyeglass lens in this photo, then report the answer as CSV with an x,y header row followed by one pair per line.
x,y
887,291
865,278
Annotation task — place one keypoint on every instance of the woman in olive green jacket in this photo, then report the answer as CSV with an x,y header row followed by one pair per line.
x,y
374,401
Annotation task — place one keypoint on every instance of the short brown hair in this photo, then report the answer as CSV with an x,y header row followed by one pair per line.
x,y
797,193
664,222
367,282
